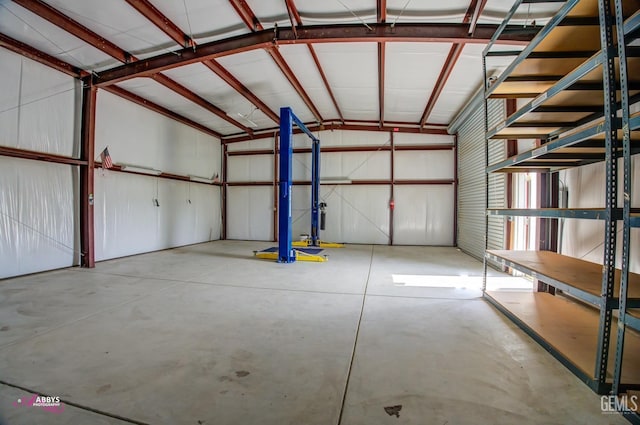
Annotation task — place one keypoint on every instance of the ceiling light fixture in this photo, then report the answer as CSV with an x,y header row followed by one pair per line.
x,y
200,179
140,169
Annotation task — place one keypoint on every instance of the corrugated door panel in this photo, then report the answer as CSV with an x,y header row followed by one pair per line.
x,y
471,185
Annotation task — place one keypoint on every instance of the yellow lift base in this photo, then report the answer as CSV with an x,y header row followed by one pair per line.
x,y
307,243
300,256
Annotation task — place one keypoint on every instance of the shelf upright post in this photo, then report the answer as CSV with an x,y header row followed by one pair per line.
x,y
486,173
626,213
611,145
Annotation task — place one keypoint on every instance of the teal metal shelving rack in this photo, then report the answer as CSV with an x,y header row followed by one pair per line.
x,y
575,84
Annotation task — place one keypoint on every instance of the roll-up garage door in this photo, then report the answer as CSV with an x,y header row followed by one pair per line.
x,y
471,182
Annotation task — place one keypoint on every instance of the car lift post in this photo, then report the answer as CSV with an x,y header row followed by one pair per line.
x,y
287,118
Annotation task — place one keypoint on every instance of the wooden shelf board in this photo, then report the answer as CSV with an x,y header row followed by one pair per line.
x,y
571,328
580,274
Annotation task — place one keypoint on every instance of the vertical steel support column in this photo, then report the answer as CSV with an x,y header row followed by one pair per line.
x,y
611,145
315,192
392,202
87,153
225,159
626,213
285,253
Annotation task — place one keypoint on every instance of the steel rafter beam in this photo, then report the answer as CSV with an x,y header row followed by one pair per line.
x,y
251,21
445,73
296,19
39,156
381,11
288,73
473,11
75,28
228,78
325,80
198,100
477,10
78,30
149,11
41,57
146,9
381,64
132,97
344,33
246,14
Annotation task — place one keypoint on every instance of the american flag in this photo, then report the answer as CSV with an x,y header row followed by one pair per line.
x,y
106,158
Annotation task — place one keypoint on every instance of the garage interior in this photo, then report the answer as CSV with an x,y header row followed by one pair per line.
x,y
471,220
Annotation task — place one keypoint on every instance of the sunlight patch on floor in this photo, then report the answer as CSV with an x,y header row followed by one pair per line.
x,y
494,283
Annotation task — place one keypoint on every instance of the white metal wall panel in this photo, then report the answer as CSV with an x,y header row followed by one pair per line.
x,y
354,214
424,165
184,210
345,138
126,217
37,106
138,136
423,215
127,220
584,238
250,168
400,139
250,213
471,182
37,216
37,200
357,214
266,143
349,165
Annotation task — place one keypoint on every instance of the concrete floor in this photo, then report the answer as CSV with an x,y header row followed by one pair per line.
x,y
207,334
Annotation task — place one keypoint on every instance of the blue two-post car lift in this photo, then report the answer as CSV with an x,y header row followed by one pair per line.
x,y
286,253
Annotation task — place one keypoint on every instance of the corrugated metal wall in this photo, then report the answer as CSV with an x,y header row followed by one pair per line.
x,y
471,183
356,213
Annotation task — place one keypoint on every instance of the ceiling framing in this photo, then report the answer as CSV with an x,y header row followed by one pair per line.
x,y
315,75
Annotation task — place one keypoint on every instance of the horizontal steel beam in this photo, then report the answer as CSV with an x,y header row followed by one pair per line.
x,y
331,149
545,55
163,175
39,156
578,213
332,125
444,33
347,183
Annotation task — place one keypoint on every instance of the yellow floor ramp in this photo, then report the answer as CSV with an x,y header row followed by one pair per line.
x,y
322,244
300,256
